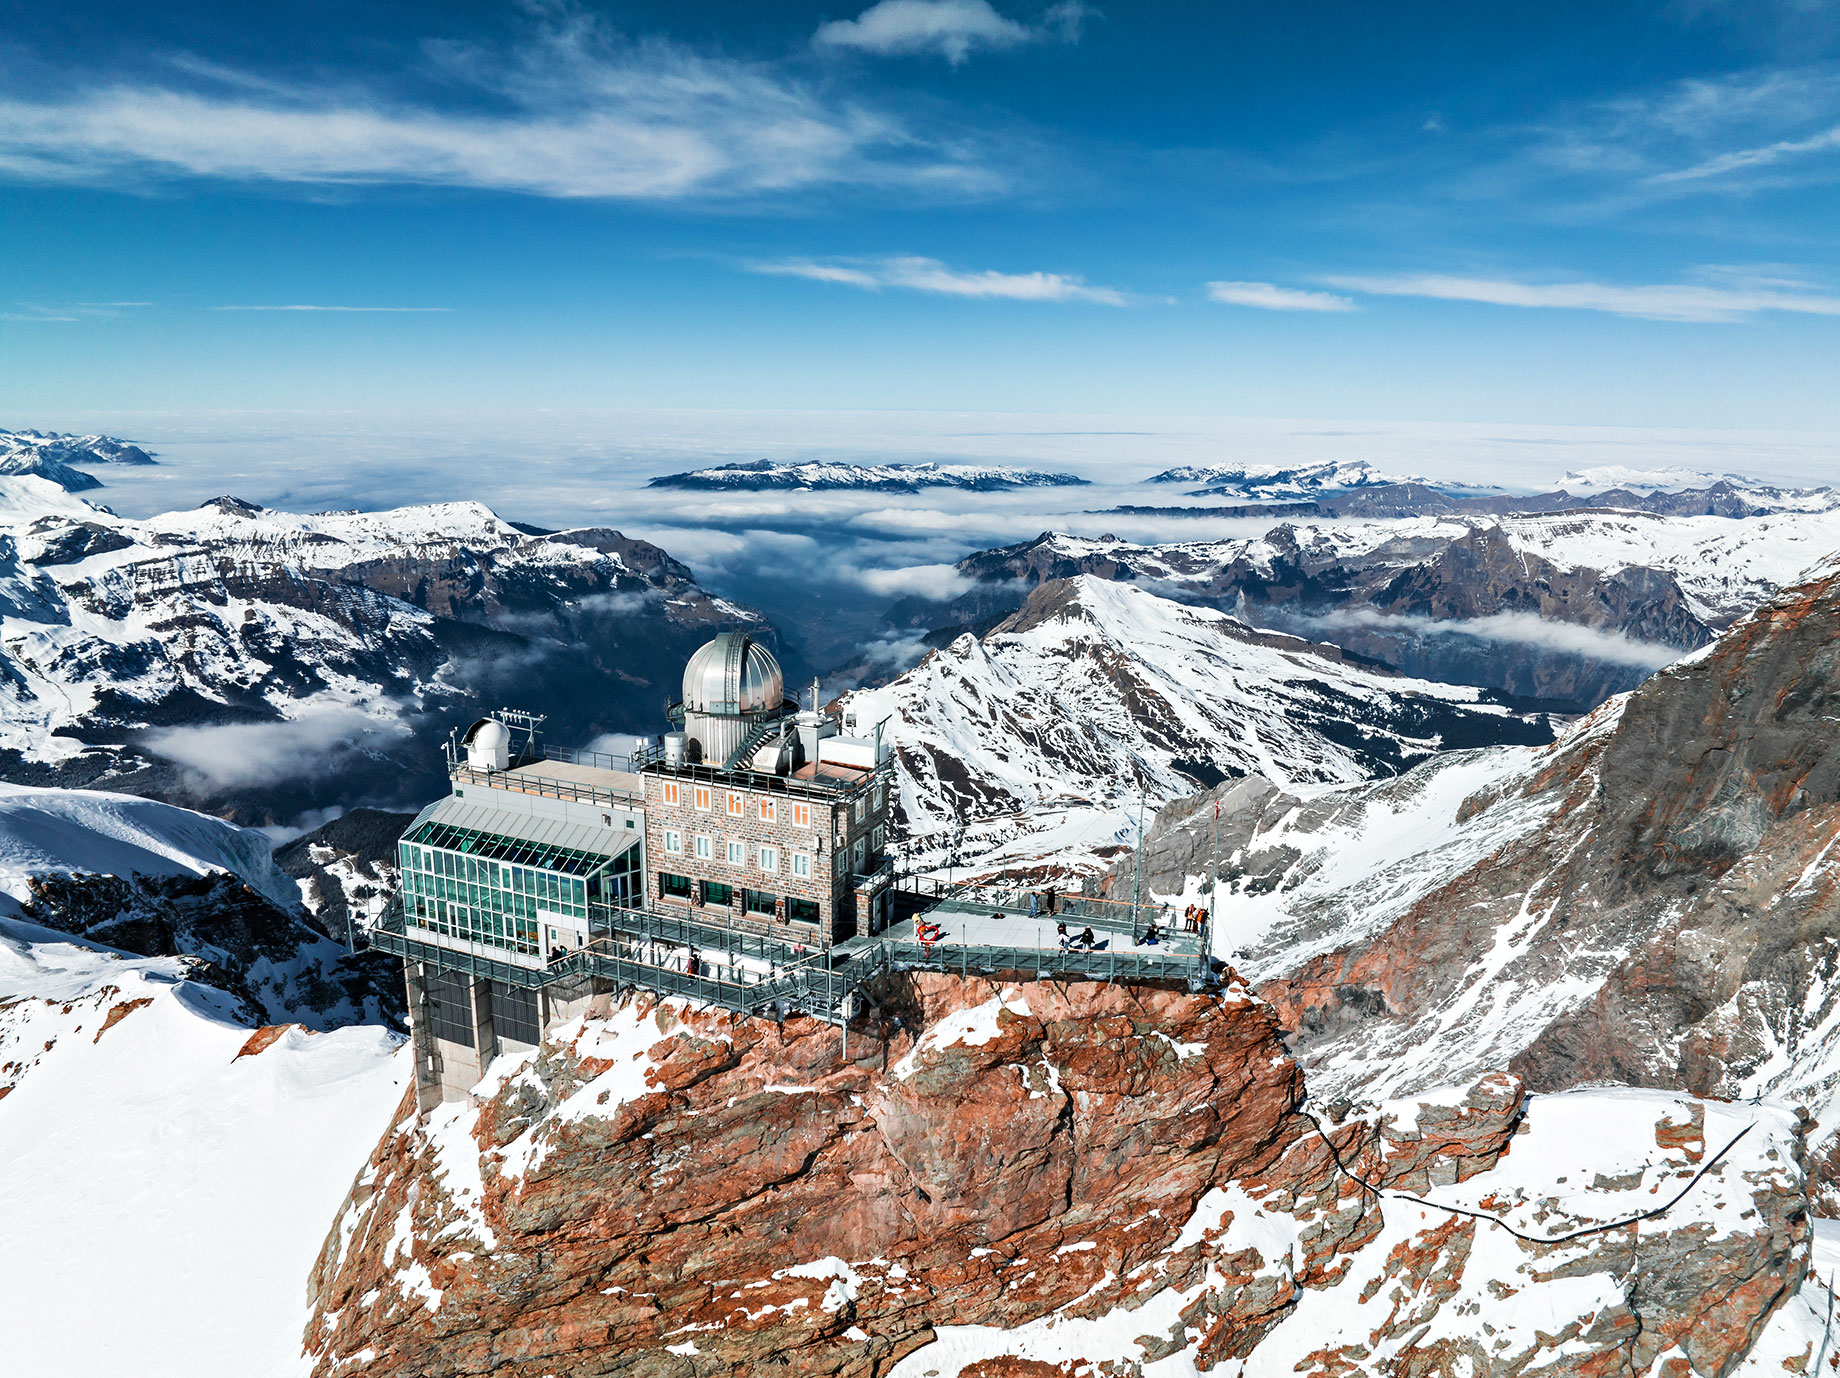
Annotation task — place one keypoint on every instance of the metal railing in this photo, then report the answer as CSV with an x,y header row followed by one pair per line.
x,y
524,781
797,979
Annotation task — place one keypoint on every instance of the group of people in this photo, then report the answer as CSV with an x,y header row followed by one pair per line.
x,y
1084,943
1193,917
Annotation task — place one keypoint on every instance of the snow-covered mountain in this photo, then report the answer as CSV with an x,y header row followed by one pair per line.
x,y
1033,744
147,878
818,475
1567,606
51,456
245,659
1650,900
1281,483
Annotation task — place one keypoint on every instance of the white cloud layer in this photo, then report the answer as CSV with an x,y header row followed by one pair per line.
x,y
1268,296
314,746
1662,302
1517,628
930,275
936,583
575,111
951,28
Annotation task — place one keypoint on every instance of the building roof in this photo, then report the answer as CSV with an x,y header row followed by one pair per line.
x,y
551,844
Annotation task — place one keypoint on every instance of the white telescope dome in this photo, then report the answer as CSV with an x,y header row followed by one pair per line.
x,y
732,675
488,745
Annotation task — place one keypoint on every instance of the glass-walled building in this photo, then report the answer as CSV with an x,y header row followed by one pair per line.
x,y
500,879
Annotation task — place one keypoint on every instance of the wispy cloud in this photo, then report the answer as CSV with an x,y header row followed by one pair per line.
x,y
930,275
1743,159
1732,133
574,111
1661,301
395,310
951,28
69,313
1268,296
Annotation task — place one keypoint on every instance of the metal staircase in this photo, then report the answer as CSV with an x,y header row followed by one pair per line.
x,y
751,743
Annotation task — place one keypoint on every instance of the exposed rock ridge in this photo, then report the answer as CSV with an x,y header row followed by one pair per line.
x,y
1057,1172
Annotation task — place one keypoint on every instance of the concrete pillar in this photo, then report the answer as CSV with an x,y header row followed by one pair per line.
x,y
427,1048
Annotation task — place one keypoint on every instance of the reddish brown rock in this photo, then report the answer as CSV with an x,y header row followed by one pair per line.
x,y
1015,1160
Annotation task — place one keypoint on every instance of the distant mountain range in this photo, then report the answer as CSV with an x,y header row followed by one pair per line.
x,y
258,663
49,455
1275,483
764,475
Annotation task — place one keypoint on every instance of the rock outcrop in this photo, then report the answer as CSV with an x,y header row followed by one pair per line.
x,y
1653,900
1031,1175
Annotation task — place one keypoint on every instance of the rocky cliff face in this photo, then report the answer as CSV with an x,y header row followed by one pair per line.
x,y
1651,900
1031,1174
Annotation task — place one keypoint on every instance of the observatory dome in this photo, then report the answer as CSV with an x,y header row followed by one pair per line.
x,y
732,675
488,745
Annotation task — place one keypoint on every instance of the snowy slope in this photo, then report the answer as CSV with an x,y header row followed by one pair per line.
x,y
1649,900
1034,744
164,1197
1725,566
817,475
50,830
1429,1291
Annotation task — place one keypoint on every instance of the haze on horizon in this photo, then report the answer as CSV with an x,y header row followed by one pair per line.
x,y
1567,216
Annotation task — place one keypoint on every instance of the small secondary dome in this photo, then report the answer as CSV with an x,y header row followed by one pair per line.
x,y
731,675
488,745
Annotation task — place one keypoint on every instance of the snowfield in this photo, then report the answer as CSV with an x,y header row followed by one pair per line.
x,y
164,1196
45,830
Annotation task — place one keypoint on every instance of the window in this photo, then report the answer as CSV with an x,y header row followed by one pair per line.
x,y
768,809
674,887
722,896
801,865
802,911
875,838
856,855
673,792
862,807
759,901
673,841
705,847
450,1007
737,803
878,797
514,1014
702,797
769,858
737,853
801,815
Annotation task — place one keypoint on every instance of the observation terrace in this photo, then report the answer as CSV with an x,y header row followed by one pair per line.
x,y
736,966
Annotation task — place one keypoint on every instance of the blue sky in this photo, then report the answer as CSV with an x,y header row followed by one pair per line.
x,y
1576,214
